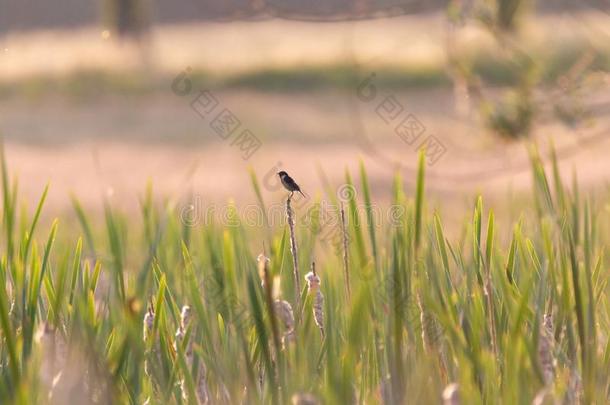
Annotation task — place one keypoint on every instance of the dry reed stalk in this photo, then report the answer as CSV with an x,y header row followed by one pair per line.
x,y
284,312
345,251
267,284
203,394
313,286
487,291
304,399
545,350
147,326
430,335
147,323
427,325
180,334
262,261
295,254
54,355
574,393
201,384
543,397
451,394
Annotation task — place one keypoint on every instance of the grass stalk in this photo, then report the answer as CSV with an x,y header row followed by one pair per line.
x,y
295,255
345,251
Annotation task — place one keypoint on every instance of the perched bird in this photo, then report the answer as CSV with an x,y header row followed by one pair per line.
x,y
289,183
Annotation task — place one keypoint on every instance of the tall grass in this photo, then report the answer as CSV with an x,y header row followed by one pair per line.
x,y
148,311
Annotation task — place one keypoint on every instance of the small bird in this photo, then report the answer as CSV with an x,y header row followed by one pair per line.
x,y
289,183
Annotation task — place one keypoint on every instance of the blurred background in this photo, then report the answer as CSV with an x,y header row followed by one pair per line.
x,y
101,97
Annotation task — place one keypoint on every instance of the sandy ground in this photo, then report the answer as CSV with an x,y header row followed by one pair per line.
x,y
120,171
416,40
110,152
112,146
113,149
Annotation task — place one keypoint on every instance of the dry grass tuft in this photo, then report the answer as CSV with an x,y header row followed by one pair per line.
x,y
313,287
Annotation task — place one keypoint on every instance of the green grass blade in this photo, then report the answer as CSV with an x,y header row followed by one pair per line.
x,y
368,206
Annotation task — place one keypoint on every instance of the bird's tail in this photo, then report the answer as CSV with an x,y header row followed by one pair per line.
x,y
302,194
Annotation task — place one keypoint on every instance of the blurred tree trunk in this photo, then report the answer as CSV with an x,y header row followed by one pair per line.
x,y
128,18
130,21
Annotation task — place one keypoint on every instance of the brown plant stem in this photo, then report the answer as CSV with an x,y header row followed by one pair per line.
x,y
295,254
